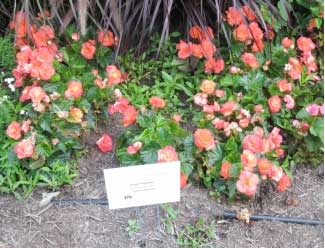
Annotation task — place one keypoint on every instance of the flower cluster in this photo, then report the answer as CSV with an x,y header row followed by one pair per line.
x,y
204,49
295,65
36,63
25,148
122,106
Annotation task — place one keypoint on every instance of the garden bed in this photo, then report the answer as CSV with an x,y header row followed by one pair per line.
x,y
242,110
26,223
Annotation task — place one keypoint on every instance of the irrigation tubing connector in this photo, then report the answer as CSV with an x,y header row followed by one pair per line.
x,y
232,215
226,214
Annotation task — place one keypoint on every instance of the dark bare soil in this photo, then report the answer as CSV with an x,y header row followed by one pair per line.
x,y
25,224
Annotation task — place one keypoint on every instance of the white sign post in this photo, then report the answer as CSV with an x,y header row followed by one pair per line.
x,y
142,185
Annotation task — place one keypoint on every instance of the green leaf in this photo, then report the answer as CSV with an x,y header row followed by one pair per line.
x,y
302,114
44,124
317,128
229,80
183,88
126,159
44,149
231,144
92,93
37,164
283,11
167,77
235,169
149,154
214,155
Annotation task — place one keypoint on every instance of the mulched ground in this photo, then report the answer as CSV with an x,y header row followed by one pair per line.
x,y
27,225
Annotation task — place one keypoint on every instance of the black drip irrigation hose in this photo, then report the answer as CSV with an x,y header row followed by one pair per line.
x,y
102,202
232,215
225,215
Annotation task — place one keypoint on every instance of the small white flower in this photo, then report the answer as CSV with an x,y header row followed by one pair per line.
x,y
287,67
22,112
12,87
9,80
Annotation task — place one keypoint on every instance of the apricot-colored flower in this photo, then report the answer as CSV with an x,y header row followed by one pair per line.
x,y
287,43
290,102
214,66
242,33
76,115
119,106
114,75
225,170
183,180
134,148
88,49
258,108
284,183
220,93
198,33
20,24
204,139
74,89
46,71
234,16
100,83
255,31
75,36
311,24
129,116
195,32
248,159
219,65
94,72
258,46
105,143
14,130
208,48
25,126
247,183
37,94
218,123
243,123
177,118
201,99
274,103
253,142
157,102
106,38
208,86
295,68
167,154
276,137
279,152
24,149
305,44
184,50
228,108
208,108
264,166
284,86
196,50
250,60
276,173
249,13
42,35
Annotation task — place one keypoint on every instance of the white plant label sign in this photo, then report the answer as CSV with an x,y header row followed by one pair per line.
x,y
142,185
